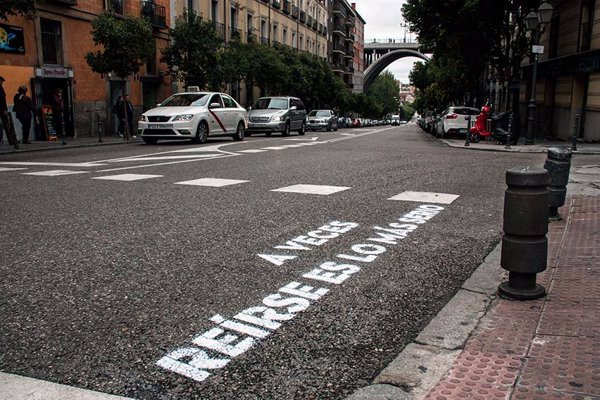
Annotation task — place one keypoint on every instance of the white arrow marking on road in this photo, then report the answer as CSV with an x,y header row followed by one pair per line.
x,y
53,164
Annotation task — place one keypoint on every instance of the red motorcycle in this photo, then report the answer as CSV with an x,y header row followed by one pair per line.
x,y
499,123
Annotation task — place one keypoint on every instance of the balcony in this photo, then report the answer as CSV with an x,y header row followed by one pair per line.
x,y
251,36
155,13
276,4
114,6
339,11
264,40
339,49
338,68
309,22
315,24
350,38
295,12
339,31
66,2
302,16
220,30
350,21
235,34
287,6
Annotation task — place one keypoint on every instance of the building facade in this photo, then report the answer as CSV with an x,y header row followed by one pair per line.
x,y
48,53
568,84
358,62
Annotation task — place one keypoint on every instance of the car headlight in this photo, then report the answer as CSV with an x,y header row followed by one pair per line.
x,y
143,118
276,118
183,117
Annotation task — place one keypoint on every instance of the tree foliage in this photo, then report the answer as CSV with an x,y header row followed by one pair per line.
x,y
194,52
466,37
126,43
25,8
385,91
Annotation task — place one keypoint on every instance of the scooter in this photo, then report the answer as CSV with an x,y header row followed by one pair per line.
x,y
499,126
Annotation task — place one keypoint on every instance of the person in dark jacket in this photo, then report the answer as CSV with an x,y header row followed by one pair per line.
x,y
5,122
58,114
24,109
124,110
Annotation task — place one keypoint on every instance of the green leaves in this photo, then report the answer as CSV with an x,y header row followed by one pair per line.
x,y
125,41
25,8
385,91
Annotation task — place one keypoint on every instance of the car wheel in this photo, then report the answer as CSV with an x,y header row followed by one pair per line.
x,y
475,138
268,133
335,129
150,140
239,133
302,130
286,130
201,133
248,134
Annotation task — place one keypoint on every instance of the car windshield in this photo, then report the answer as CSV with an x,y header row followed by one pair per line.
x,y
466,111
186,100
319,113
271,104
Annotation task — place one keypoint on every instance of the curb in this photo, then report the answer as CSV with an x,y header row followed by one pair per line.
x,y
516,149
422,363
69,145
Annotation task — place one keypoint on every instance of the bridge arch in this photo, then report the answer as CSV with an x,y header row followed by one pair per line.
x,y
382,63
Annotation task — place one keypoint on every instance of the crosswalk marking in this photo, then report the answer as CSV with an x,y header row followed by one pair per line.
x,y
3,169
312,189
211,182
426,197
55,172
127,177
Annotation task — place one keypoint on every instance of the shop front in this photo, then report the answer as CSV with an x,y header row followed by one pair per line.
x,y
46,81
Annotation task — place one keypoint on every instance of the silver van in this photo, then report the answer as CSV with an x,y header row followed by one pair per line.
x,y
277,114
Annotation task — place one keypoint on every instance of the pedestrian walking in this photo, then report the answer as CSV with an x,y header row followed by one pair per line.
x,y
58,115
5,121
124,110
25,110
115,111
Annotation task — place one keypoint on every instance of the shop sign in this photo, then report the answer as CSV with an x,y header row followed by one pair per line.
x,y
11,39
55,72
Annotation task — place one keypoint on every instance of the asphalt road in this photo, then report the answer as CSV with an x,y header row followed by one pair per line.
x,y
112,285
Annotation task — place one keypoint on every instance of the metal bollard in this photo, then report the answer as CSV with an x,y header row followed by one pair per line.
x,y
468,137
524,244
99,129
558,166
575,134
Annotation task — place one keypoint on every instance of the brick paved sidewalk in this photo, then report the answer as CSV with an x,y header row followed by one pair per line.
x,y
548,348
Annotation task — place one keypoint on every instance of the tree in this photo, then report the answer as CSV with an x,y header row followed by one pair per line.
x,y
126,41
25,8
385,91
194,52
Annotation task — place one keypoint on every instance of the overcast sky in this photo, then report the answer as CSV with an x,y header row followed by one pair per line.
x,y
384,20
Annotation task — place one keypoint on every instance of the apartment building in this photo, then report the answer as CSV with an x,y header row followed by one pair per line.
x,y
48,53
568,83
358,62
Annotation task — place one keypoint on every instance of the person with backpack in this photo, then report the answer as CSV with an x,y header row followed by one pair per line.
x,y
24,109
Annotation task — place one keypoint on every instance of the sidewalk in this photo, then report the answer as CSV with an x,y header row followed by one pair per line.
x,y
540,146
71,143
483,347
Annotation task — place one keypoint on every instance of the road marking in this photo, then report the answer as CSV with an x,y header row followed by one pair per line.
x,y
274,148
312,189
55,172
143,158
252,151
229,338
426,197
127,177
211,182
311,139
52,164
3,169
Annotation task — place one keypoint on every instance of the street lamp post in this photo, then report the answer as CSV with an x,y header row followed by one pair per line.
x,y
535,22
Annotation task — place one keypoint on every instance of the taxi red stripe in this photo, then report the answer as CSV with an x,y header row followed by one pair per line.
x,y
218,120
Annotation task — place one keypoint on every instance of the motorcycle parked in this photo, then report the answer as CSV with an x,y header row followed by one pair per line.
x,y
499,126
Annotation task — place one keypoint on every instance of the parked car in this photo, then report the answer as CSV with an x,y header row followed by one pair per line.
x,y
454,121
277,114
322,119
194,116
356,123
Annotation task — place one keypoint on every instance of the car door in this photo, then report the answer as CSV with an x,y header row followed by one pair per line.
x,y
299,113
232,115
218,114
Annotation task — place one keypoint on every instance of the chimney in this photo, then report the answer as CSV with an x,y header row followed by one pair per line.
x,y
353,6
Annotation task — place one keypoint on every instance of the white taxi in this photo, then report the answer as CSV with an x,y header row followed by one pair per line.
x,y
194,116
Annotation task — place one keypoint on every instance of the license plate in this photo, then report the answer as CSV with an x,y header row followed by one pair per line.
x,y
160,126
462,130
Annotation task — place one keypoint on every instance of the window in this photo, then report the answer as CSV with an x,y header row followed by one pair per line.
x,y
229,102
216,99
586,23
51,41
114,6
554,35
301,42
294,44
284,38
214,10
275,33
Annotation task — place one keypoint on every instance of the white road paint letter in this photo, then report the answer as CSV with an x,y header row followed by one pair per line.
x,y
368,249
267,321
211,340
323,235
277,300
340,273
431,207
310,240
171,362
292,245
304,291
276,259
239,327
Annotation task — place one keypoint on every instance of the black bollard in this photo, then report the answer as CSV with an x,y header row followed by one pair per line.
x,y
99,129
558,166
468,137
524,244
575,134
